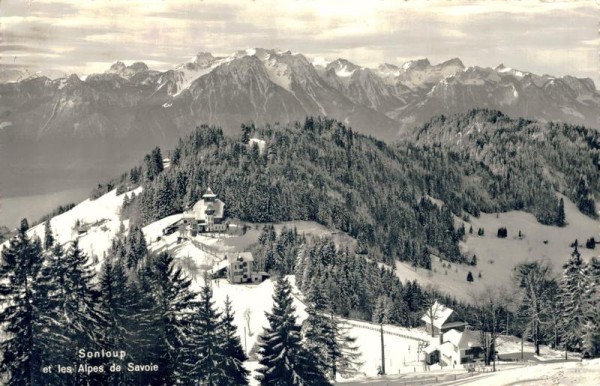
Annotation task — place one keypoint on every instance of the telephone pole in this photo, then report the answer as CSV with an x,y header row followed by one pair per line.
x,y
382,351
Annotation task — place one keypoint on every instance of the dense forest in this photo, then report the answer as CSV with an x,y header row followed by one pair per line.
x,y
521,163
379,194
136,322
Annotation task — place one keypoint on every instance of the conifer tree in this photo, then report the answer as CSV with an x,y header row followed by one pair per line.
x,y
535,281
80,314
300,266
572,285
136,247
246,134
584,197
560,213
170,305
52,283
327,338
154,164
318,329
233,353
147,343
591,339
206,324
344,355
21,339
116,306
284,361
48,235
469,276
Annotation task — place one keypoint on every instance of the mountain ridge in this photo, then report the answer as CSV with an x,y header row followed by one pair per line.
x,y
128,108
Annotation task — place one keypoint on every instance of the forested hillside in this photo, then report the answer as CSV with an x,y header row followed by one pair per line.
x,y
524,161
322,171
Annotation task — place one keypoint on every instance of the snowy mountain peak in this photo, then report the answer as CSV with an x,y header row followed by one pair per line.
x,y
502,69
456,62
138,67
388,69
419,64
73,79
203,58
260,53
342,67
119,68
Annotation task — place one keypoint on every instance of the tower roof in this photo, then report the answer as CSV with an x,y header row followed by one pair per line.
x,y
209,194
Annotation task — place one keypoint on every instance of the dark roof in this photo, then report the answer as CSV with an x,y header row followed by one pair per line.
x,y
453,324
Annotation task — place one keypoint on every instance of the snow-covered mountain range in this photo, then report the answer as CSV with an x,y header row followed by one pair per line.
x,y
127,109
266,85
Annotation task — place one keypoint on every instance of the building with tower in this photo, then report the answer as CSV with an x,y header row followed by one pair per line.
x,y
207,215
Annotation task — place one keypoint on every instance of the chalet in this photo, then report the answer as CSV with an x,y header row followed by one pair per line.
x,y
240,269
456,347
441,319
457,344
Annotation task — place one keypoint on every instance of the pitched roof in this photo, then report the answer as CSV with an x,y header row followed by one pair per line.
x,y
209,193
447,349
441,313
453,336
451,325
242,256
463,340
469,339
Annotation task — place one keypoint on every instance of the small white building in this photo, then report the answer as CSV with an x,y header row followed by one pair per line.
x,y
457,344
457,347
240,270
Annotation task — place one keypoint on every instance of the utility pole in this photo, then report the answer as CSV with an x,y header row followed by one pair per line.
x,y
522,335
382,351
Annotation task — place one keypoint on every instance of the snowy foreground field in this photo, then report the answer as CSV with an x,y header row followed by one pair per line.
x,y
585,373
401,346
99,223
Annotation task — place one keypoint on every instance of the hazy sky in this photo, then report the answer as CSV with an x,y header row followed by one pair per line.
x,y
83,36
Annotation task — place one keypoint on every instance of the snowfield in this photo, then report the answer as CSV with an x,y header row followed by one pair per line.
x,y
586,373
99,221
497,257
251,302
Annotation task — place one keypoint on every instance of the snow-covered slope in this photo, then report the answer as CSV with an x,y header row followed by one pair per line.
x,y
496,257
99,222
202,64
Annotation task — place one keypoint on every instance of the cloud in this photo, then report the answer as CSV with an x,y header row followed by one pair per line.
x,y
529,34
